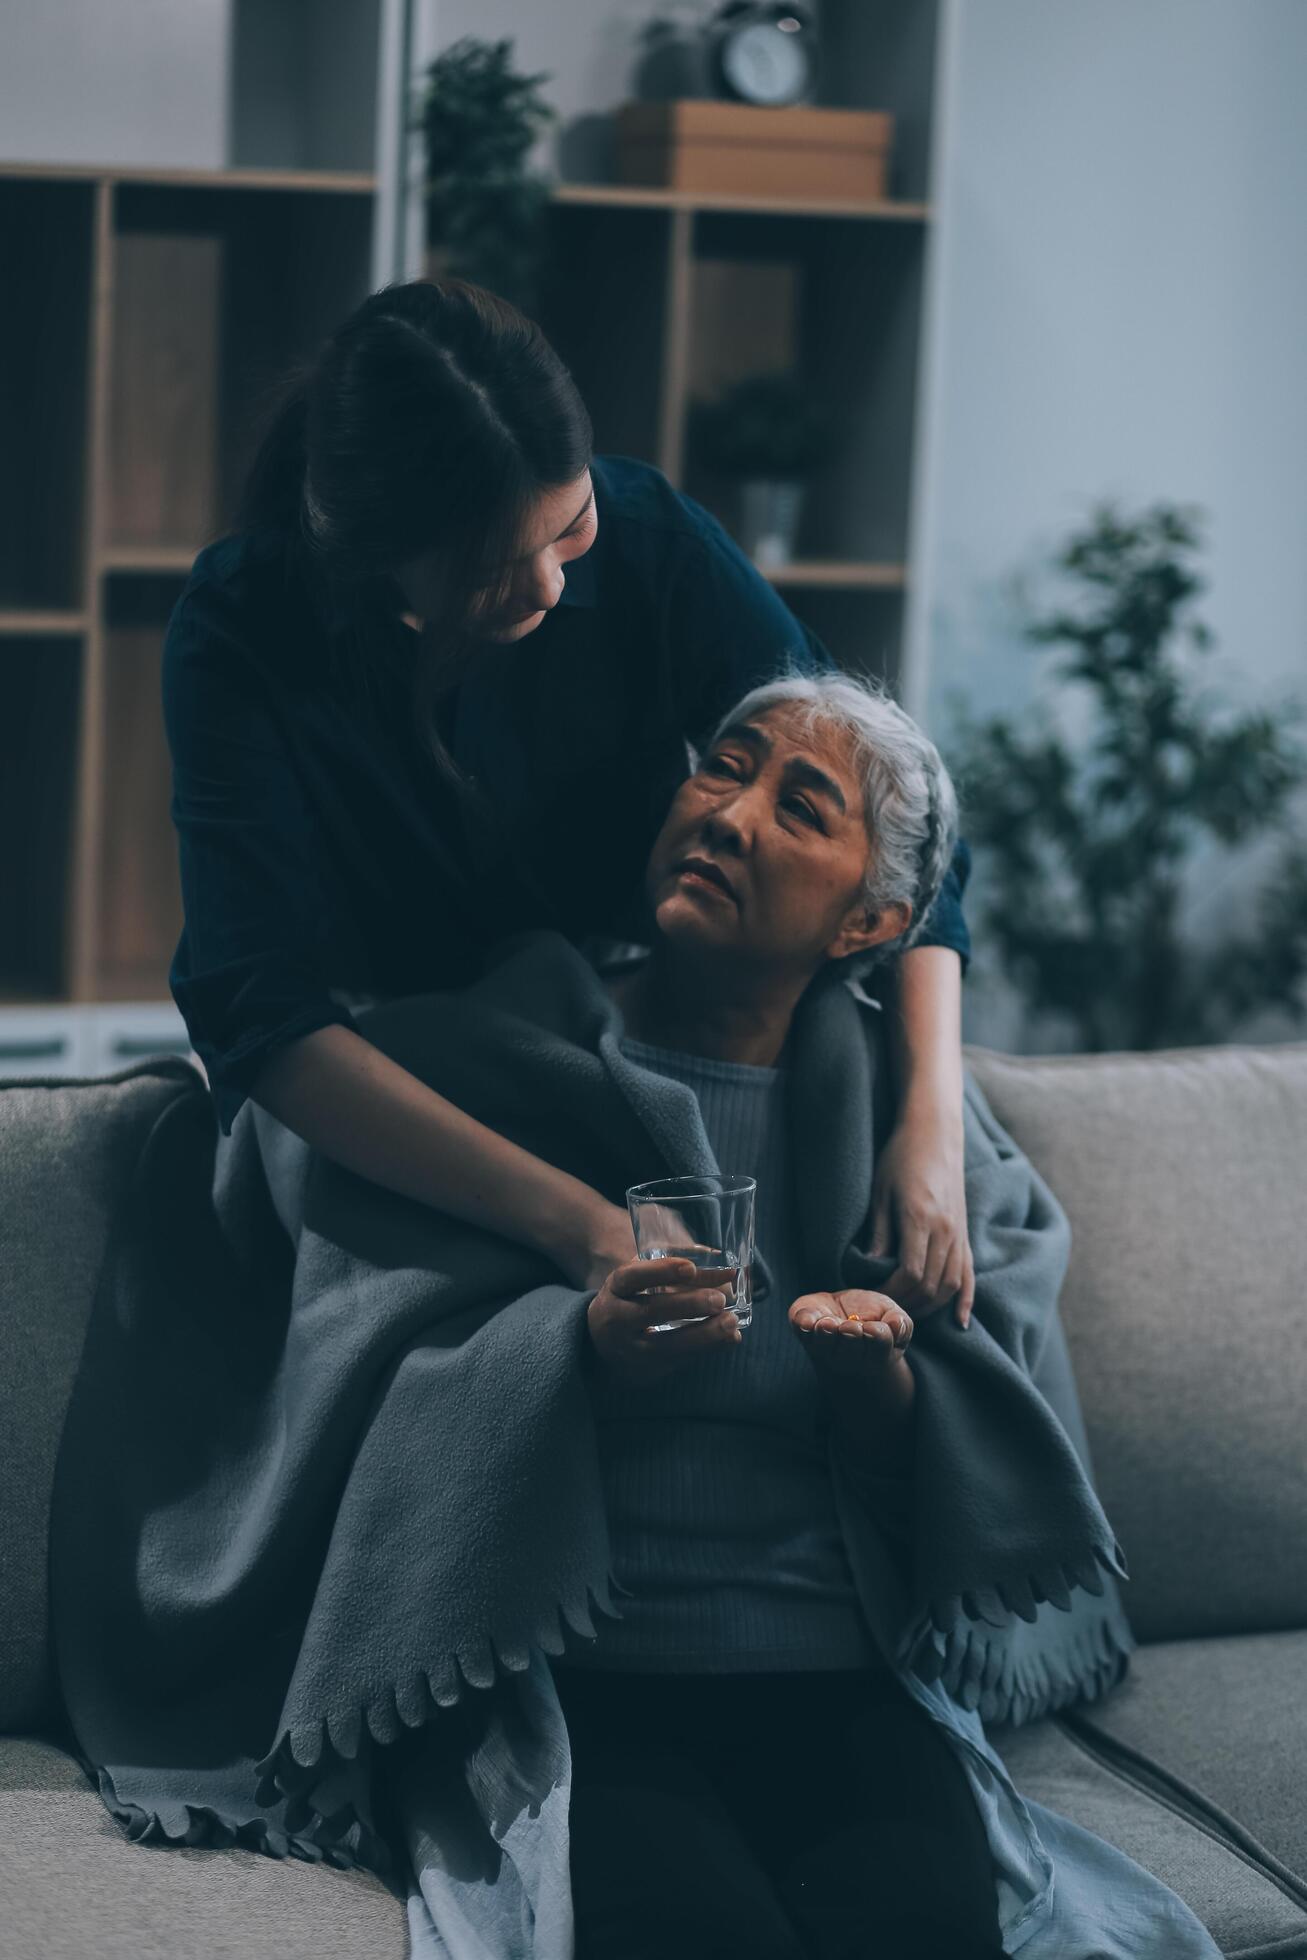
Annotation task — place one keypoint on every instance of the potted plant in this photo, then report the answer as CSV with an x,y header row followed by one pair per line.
x,y
484,209
769,433
1087,840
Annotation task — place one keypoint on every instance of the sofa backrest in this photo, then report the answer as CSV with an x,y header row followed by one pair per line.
x,y
68,1154
1184,1175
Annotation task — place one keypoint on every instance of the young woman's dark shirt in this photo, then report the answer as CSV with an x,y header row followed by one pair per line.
x,y
323,855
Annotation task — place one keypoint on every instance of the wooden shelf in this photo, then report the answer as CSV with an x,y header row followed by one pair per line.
x,y
633,197
814,571
42,623
175,559
349,183
147,558
168,304
178,297
214,297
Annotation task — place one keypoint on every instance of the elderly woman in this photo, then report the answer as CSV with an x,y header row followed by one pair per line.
x,y
372,1466
739,1717
812,834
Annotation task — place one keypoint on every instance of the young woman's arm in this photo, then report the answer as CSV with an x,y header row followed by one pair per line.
x,y
918,1199
344,1097
727,629
250,975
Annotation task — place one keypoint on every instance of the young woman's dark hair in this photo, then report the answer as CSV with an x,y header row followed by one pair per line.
x,y
432,419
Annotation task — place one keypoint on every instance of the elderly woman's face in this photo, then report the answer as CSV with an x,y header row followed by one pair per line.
x,y
764,851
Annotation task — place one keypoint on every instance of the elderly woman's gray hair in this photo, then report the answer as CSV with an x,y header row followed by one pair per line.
x,y
908,799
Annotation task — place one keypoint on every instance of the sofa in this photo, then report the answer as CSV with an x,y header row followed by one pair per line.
x,y
1185,1177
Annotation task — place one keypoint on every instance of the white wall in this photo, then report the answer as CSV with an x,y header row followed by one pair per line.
x,y
211,84
1119,305
115,81
199,84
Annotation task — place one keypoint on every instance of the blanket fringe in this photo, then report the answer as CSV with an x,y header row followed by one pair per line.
x,y
304,1768
200,1825
948,1641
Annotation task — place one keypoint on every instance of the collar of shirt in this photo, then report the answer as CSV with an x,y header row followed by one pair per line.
x,y
579,580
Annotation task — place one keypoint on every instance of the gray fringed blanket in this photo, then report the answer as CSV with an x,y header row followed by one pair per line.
x,y
329,1457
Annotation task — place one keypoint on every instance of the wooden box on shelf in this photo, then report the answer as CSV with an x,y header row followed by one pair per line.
x,y
738,149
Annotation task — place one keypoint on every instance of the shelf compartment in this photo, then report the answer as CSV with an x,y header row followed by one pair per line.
x,y
40,684
163,395
852,323
602,306
218,292
139,891
861,627
45,247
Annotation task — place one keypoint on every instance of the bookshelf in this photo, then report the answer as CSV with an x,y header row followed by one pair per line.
x,y
163,305
166,302
656,297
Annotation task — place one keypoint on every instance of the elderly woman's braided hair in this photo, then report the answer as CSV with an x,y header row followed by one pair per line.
x,y
908,799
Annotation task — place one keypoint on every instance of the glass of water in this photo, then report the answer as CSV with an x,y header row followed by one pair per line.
x,y
706,1219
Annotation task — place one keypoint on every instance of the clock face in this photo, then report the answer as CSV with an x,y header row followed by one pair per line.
x,y
764,64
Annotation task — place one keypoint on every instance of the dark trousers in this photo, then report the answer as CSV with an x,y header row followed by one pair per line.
x,y
783,1816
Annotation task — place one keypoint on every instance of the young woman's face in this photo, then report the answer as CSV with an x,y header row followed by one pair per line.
x,y
773,818
563,526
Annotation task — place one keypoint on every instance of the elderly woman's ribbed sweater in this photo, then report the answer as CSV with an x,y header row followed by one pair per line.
x,y
720,1506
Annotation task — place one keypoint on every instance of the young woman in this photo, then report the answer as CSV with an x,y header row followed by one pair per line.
x,y
437,686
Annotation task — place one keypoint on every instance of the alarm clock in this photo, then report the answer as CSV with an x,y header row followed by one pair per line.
x,y
765,54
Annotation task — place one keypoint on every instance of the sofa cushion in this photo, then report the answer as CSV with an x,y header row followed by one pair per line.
x,y
1219,1725
1250,1913
74,1884
1182,1173
68,1150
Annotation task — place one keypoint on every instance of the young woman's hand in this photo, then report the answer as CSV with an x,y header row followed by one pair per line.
x,y
628,1303
919,1202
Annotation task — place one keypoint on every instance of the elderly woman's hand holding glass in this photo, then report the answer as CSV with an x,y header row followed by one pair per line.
x,y
619,1317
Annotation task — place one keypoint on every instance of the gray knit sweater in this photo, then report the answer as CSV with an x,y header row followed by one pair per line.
x,y
720,1506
